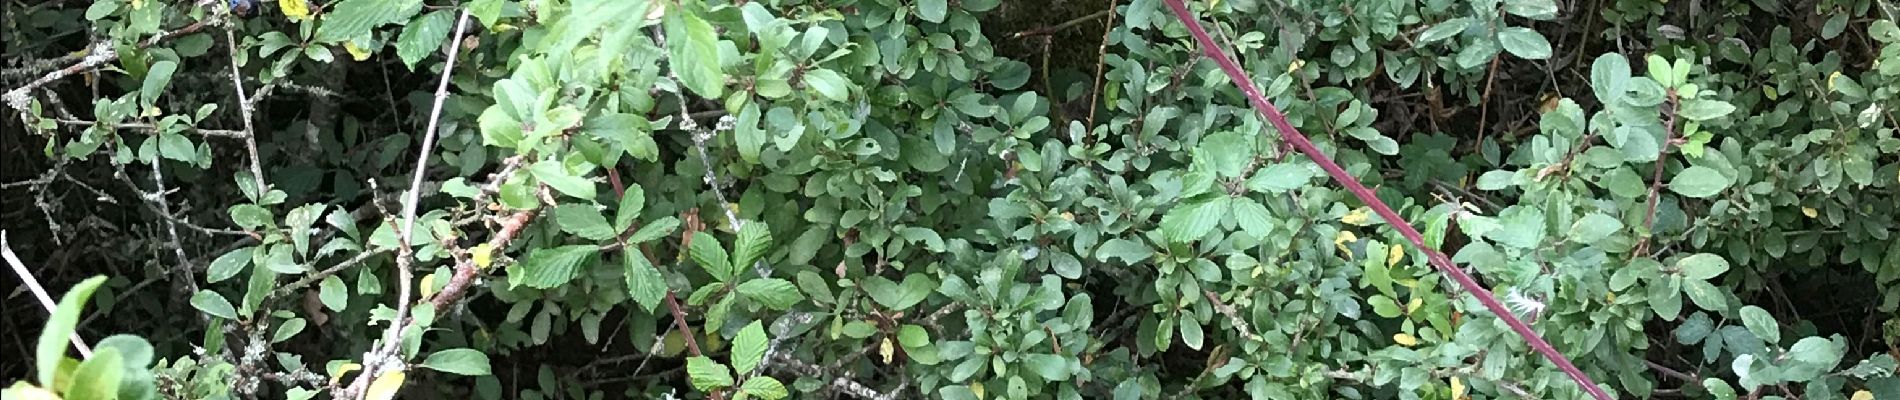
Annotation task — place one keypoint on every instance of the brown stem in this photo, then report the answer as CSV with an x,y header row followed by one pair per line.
x,y
1655,178
1095,91
1048,30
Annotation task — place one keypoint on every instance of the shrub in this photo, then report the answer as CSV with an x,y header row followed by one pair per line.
x,y
954,199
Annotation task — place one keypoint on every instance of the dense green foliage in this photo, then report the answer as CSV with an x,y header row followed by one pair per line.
x,y
964,199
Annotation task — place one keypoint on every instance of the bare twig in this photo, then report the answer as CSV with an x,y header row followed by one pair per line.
x,y
312,279
244,110
1655,178
19,269
383,358
100,54
1050,30
223,133
1095,91
839,384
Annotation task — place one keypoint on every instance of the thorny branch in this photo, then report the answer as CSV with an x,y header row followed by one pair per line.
x,y
101,53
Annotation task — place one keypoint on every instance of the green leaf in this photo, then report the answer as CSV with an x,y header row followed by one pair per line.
x,y
1759,322
1816,350
631,203
98,377
156,79
554,175
251,216
1279,178
898,297
228,265
549,267
1533,9
1191,332
1384,306
764,387
706,374
299,221
422,36
1131,252
711,257
1227,152
289,329
655,230
828,83
693,49
1699,182
1253,217
933,10
348,19
584,221
1701,266
1609,77
1193,219
1050,367
1705,295
333,293
1524,42
644,284
1594,227
1665,297
55,336
755,238
1704,109
467,362
748,348
774,293
1443,30
214,304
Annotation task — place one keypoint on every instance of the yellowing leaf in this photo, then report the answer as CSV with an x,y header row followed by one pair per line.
x,y
1068,216
1405,339
1770,92
428,285
1342,239
1357,217
977,387
484,255
1830,80
1295,65
1862,395
1810,212
1457,387
385,387
295,10
1393,253
884,349
1609,297
337,375
1412,307
356,53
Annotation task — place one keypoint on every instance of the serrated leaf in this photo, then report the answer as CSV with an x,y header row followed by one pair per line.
x,y
468,362
774,293
348,19
764,387
1193,219
1594,227
1279,178
748,348
584,221
711,257
755,238
632,201
654,230
421,36
644,284
706,374
549,267
556,176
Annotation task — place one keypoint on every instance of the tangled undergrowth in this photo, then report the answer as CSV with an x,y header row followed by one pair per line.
x,y
963,199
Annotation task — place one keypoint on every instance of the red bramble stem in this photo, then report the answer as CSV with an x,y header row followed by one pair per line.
x,y
1272,114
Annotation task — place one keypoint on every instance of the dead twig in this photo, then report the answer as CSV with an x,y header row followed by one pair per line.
x,y
26,276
